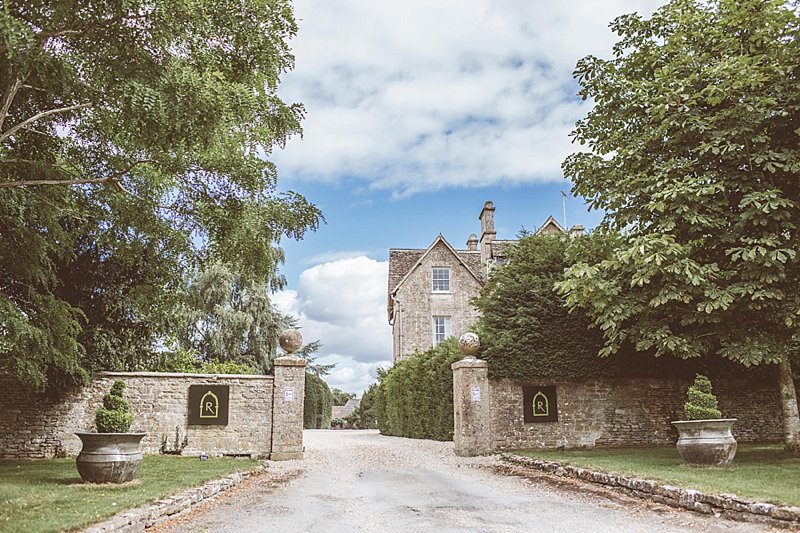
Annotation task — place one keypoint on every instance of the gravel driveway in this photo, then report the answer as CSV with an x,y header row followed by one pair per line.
x,y
363,481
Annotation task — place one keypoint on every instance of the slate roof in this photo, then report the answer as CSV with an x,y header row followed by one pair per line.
x,y
473,260
341,411
500,248
400,263
403,260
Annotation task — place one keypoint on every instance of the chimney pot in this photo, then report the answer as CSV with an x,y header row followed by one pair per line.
x,y
472,243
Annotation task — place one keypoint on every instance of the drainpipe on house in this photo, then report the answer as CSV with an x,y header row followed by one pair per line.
x,y
398,323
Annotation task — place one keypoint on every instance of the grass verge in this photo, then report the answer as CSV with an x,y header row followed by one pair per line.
x,y
48,495
759,472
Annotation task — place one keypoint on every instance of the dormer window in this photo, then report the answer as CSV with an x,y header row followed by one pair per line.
x,y
441,279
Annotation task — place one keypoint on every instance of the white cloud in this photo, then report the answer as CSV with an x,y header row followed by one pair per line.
x,y
414,96
343,305
334,255
417,96
351,375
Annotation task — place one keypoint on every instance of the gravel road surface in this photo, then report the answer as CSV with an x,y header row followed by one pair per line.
x,y
363,481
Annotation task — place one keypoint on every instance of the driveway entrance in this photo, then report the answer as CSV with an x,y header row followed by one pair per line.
x,y
354,481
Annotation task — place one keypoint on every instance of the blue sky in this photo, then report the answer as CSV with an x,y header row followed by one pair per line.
x,y
417,113
369,226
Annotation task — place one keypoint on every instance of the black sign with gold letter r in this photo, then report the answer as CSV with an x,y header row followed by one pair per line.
x,y
539,404
208,405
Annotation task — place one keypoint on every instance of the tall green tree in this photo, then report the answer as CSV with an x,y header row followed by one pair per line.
x,y
128,125
366,414
341,397
528,332
231,319
227,318
692,150
525,328
307,352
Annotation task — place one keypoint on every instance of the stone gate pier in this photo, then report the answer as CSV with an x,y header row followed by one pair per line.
x,y
471,407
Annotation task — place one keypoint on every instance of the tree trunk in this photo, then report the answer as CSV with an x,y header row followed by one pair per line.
x,y
791,418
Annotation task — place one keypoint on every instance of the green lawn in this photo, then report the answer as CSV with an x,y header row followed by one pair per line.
x,y
48,495
759,472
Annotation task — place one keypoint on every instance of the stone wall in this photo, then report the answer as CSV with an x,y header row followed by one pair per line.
x,y
33,426
626,412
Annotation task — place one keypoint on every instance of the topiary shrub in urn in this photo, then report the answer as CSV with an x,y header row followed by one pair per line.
x,y
112,454
115,415
705,437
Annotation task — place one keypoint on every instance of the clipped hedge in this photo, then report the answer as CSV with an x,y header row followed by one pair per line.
x,y
366,414
415,397
318,403
527,332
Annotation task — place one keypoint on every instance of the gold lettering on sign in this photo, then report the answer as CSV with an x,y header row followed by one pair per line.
x,y
209,405
541,406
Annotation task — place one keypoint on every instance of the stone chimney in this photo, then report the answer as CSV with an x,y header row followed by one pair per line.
x,y
487,231
472,243
576,231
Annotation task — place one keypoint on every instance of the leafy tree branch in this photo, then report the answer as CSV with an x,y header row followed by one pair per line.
x,y
692,151
173,103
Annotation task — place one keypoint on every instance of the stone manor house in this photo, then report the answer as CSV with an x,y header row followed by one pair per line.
x,y
430,289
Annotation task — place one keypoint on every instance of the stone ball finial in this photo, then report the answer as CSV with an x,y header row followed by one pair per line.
x,y
469,344
290,340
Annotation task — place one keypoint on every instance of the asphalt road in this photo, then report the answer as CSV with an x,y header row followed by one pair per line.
x,y
361,481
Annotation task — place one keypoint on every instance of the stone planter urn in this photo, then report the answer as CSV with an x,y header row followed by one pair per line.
x,y
706,442
109,457
705,437
112,454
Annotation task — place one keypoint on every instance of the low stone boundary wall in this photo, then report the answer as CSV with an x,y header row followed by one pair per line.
x,y
608,412
159,512
159,403
493,415
724,505
265,414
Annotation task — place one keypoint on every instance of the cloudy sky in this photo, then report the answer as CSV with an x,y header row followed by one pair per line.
x,y
417,113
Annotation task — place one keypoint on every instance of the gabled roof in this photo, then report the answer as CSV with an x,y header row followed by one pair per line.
x,y
549,225
341,411
402,262
457,255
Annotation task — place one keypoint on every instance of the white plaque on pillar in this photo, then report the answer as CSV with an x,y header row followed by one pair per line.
x,y
288,394
475,394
